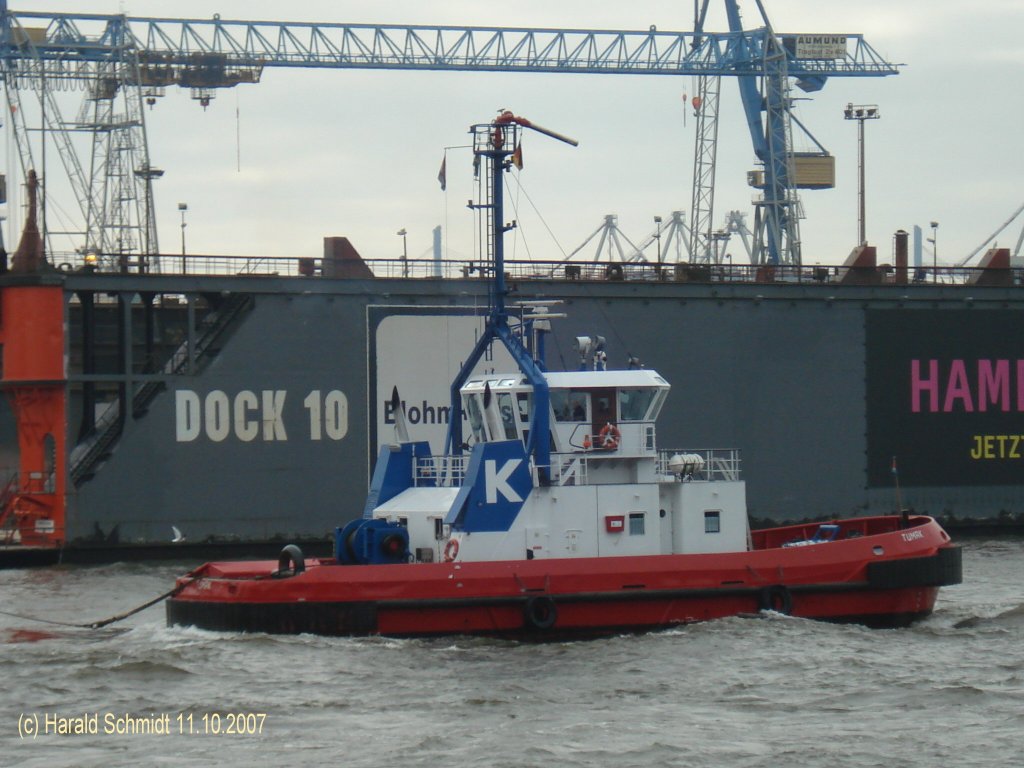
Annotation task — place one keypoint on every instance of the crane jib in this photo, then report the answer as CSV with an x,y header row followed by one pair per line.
x,y
72,38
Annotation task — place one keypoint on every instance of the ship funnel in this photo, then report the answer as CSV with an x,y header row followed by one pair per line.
x,y
29,255
902,251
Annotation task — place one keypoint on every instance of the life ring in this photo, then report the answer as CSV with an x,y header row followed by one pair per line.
x,y
540,612
451,550
609,437
290,562
776,598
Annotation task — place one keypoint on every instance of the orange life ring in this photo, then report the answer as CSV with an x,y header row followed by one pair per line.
x,y
610,437
451,550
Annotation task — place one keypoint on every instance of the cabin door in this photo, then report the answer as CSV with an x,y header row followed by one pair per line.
x,y
603,408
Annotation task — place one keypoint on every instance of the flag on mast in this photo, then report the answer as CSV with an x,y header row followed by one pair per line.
x,y
517,156
442,175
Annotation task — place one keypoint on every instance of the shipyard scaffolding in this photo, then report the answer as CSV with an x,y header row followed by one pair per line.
x,y
109,175
122,64
102,147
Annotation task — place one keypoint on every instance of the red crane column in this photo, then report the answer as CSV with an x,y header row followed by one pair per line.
x,y
32,331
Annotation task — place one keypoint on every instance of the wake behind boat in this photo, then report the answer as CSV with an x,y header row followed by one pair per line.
x,y
564,518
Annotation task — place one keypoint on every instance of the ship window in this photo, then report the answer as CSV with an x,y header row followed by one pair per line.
x,y
569,405
508,417
634,403
636,523
476,421
712,521
659,401
523,400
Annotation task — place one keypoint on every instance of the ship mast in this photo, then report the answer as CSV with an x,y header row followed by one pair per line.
x,y
495,143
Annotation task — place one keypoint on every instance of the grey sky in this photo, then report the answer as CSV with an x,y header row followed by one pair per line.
x,y
357,153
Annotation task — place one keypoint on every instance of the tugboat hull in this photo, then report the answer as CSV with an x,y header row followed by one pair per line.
x,y
888,579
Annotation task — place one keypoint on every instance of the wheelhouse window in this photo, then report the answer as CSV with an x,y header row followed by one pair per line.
x,y
476,420
636,523
569,405
634,404
508,417
523,401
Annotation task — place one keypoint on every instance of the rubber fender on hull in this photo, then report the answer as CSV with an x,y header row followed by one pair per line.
x,y
290,562
540,612
776,598
942,569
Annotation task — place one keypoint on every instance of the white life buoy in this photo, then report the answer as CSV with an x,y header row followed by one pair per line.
x,y
609,437
451,550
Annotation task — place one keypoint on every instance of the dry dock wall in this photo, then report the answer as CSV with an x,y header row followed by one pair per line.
x,y
274,437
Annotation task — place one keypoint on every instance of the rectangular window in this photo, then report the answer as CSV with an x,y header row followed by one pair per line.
x,y
523,400
634,403
508,416
569,406
712,521
476,419
636,523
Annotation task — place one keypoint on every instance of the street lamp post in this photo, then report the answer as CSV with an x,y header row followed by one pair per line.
x,y
657,236
934,240
860,114
150,249
405,252
182,207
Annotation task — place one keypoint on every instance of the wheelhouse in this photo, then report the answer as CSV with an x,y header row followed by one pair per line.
x,y
611,412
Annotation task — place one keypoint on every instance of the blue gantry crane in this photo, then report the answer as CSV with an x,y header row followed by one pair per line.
x,y
122,63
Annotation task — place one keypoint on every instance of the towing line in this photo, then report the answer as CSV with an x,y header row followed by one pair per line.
x,y
113,619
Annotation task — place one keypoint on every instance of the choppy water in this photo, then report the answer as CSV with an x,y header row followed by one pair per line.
x,y
772,691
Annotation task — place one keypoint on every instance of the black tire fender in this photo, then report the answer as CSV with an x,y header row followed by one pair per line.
x,y
540,612
776,598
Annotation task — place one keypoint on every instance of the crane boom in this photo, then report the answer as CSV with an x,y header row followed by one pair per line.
x,y
73,38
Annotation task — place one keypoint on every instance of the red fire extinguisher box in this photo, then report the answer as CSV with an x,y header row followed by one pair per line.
x,y
615,523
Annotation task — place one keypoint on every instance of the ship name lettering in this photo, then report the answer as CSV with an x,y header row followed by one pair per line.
x,y
966,386
997,447
912,535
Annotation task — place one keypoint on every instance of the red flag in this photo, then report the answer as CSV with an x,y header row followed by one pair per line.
x,y
442,176
517,157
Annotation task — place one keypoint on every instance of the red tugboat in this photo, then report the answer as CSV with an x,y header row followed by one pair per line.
x,y
565,519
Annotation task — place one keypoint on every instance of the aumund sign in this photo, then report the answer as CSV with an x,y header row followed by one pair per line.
x,y
816,46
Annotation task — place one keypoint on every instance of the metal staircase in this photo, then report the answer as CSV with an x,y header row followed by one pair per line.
x,y
88,455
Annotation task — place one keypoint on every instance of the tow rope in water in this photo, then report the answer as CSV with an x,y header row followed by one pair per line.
x,y
104,622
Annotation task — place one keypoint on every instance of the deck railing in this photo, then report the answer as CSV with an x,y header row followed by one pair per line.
x,y
441,471
640,271
718,463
